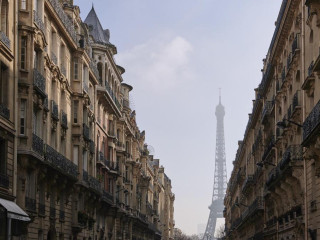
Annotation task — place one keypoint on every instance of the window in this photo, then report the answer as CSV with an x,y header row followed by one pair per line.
x,y
31,185
22,116
23,4
4,16
110,185
37,60
76,68
75,154
36,122
110,155
3,83
75,111
3,157
23,53
85,160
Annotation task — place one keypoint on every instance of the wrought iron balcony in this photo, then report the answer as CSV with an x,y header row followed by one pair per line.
x,y
107,196
54,110
30,204
109,90
4,39
68,24
41,209
39,82
64,120
86,132
270,144
54,58
4,181
37,144
60,162
4,111
94,183
292,154
37,20
311,124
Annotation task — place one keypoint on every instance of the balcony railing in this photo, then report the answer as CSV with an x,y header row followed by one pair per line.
x,y
86,132
30,204
60,162
64,120
39,81
37,144
65,19
292,154
4,38
54,110
4,111
94,183
54,58
254,207
107,196
311,123
37,20
109,90
4,181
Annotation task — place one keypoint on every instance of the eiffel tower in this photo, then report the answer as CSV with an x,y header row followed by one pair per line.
x,y
220,177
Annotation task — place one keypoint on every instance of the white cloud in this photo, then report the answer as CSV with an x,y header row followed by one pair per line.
x,y
161,63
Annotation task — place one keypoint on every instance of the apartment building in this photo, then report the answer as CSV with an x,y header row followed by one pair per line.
x,y
74,164
273,190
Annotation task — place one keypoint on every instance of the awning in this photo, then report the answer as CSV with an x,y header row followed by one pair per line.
x,y
14,211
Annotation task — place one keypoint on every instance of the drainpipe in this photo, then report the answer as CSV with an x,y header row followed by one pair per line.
x,y
303,116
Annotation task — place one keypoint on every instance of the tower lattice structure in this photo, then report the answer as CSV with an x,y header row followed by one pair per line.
x,y
220,176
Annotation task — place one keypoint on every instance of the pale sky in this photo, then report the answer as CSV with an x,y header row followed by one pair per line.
x,y
177,54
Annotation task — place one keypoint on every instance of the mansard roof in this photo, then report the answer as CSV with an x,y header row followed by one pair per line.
x,y
96,31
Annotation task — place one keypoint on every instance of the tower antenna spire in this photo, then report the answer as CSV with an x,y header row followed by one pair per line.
x,y
220,176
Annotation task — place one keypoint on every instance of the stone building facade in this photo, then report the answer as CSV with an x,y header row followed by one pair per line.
x,y
73,162
273,191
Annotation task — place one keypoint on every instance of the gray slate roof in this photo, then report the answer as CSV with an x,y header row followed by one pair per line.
x,y
99,35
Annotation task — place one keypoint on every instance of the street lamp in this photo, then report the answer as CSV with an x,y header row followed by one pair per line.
x,y
238,205
282,124
260,164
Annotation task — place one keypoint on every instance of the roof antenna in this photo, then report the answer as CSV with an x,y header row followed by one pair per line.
x,y
219,95
92,6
